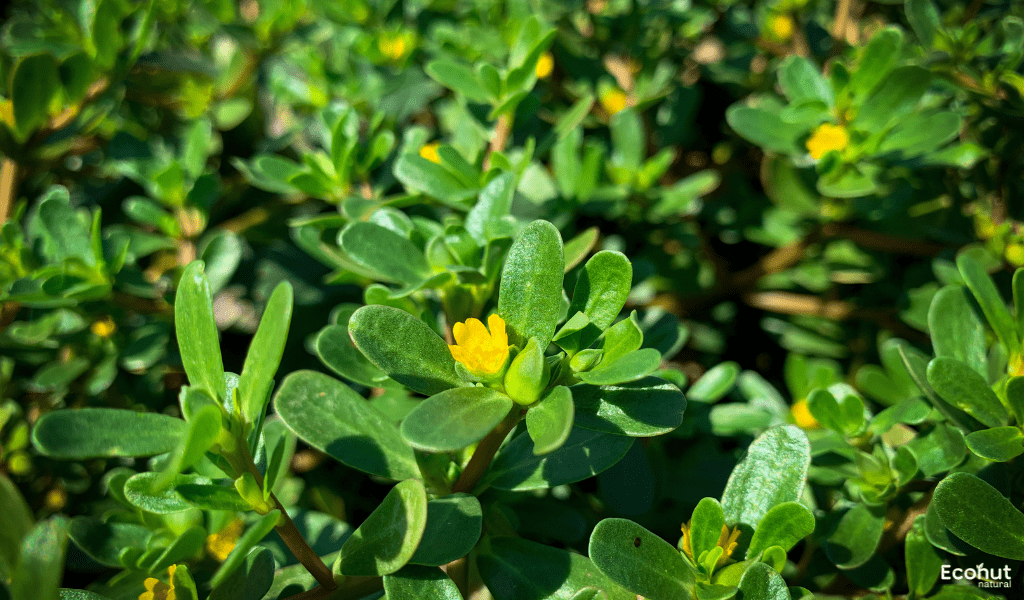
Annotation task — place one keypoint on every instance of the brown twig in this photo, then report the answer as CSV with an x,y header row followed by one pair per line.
x,y
8,187
485,452
290,534
502,130
458,572
841,20
352,588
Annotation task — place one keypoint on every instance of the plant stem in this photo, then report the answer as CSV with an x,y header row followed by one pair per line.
x,y
8,187
502,129
485,452
290,534
352,588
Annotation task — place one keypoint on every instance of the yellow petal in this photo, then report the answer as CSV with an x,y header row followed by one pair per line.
x,y
477,332
461,334
498,334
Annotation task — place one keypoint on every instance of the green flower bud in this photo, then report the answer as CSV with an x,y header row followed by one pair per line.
x,y
586,360
528,375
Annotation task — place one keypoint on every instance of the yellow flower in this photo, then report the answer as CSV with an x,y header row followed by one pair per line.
x,y
104,327
727,541
781,27
482,352
614,100
220,544
802,415
429,152
158,590
827,137
545,64
1015,254
392,46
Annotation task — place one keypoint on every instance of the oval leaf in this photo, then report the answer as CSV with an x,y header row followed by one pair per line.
x,y
585,454
531,284
453,527
772,472
454,419
642,408
550,421
977,513
388,538
965,389
640,561
106,432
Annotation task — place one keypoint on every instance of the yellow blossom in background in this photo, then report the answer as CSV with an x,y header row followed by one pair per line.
x,y
220,544
727,541
781,27
429,152
7,113
392,45
545,64
614,100
802,415
482,352
103,327
827,137
158,590
1015,254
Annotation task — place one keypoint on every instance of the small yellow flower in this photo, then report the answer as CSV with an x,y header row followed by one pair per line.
x,y
482,352
802,415
158,590
614,100
1015,254
827,137
429,152
7,112
220,544
104,327
727,541
781,27
392,46
545,64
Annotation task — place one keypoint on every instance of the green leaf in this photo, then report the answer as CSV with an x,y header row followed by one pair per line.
x,y
923,563
15,524
999,443
197,332
385,252
265,353
802,82
454,419
405,348
80,433
388,538
486,220
204,429
530,295
209,496
239,554
939,451
1018,300
898,93
41,561
628,367
518,569
104,542
924,20
706,525
185,546
965,389
34,85
977,513
68,594
784,525
585,454
771,473
460,79
764,128
642,408
879,57
854,534
551,420
622,338
141,491
956,330
577,248
329,416
715,383
426,583
454,524
640,561
939,536
336,350
602,288
992,304
250,581
761,582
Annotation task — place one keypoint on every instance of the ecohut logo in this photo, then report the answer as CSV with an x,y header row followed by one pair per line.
x,y
980,575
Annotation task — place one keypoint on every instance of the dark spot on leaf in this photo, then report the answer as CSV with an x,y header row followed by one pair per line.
x,y
636,542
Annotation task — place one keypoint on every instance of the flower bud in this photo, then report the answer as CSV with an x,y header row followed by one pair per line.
x,y
528,375
252,493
